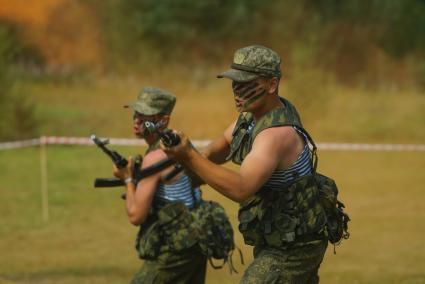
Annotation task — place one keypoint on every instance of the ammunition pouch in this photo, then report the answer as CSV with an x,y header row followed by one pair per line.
x,y
172,229
149,240
216,238
336,219
278,218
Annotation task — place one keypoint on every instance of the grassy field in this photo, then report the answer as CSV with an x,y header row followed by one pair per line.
x,y
89,240
332,114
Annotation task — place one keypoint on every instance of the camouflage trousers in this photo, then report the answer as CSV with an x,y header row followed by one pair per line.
x,y
184,267
298,264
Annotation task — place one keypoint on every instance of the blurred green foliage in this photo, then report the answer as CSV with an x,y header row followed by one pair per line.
x,y
359,42
16,109
375,46
369,43
162,32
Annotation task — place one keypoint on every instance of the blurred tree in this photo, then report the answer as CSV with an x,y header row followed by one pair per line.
x,y
178,30
339,37
69,42
383,32
17,118
373,42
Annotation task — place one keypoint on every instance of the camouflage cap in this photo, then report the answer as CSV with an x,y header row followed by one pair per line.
x,y
152,101
252,62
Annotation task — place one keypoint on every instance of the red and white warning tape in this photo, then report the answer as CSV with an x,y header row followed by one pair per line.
x,y
55,140
371,147
60,140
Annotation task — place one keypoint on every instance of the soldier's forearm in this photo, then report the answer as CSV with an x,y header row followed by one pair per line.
x,y
217,151
134,216
227,182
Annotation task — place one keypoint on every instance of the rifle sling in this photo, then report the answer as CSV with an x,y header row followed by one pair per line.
x,y
153,169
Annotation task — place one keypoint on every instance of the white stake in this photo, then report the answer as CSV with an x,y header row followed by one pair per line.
x,y
43,168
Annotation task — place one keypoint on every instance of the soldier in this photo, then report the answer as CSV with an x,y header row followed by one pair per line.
x,y
170,213
280,214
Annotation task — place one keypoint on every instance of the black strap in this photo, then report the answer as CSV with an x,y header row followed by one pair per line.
x,y
229,261
148,171
313,148
260,71
178,168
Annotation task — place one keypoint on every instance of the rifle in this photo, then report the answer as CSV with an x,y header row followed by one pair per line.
x,y
170,139
167,136
121,162
116,158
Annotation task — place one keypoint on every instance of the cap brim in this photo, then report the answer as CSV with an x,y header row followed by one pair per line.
x,y
238,75
142,108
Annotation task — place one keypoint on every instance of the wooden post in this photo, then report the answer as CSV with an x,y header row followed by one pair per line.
x,y
43,167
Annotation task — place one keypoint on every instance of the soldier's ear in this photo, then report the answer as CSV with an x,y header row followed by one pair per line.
x,y
273,85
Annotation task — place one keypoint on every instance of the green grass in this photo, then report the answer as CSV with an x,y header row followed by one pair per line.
x,y
89,239
205,107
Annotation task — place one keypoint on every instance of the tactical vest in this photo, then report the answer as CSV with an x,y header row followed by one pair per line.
x,y
171,229
174,228
292,213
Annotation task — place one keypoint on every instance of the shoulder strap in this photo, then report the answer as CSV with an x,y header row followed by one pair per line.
x,y
244,119
239,139
286,116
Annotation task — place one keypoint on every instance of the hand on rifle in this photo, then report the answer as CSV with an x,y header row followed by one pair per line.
x,y
126,172
181,151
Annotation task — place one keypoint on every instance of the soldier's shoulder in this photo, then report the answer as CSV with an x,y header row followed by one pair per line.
x,y
153,157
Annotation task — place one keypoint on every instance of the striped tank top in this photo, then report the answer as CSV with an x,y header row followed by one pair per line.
x,y
301,167
179,191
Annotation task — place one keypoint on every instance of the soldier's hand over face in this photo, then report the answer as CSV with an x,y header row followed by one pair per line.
x,y
180,151
126,172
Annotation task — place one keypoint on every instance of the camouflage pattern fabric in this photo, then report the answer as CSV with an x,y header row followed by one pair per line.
x,y
185,267
171,229
286,225
178,227
252,62
336,219
152,101
168,244
176,243
242,140
149,238
279,117
297,264
278,218
216,232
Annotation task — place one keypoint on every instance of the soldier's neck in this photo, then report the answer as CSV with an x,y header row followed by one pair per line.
x,y
152,140
268,105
